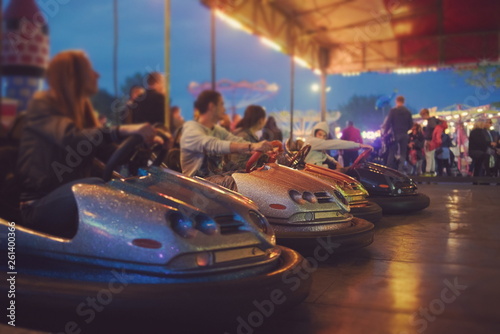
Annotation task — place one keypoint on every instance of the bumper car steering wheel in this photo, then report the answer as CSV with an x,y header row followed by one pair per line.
x,y
252,162
361,158
298,160
127,150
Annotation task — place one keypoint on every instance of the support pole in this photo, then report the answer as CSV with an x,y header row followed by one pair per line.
x,y
1,67
323,96
115,47
292,97
167,64
212,42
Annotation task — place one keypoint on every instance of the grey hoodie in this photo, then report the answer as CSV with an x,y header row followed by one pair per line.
x,y
318,156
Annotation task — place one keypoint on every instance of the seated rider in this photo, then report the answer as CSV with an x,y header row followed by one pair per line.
x,y
253,120
319,144
61,136
203,142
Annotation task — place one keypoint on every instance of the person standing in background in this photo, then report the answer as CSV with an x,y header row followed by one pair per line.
x,y
430,160
271,131
134,93
150,107
351,133
416,146
399,122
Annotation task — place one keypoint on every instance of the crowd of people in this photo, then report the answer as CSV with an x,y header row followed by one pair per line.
x,y
61,118
428,147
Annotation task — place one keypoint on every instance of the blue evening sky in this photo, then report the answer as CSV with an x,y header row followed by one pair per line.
x,y
88,25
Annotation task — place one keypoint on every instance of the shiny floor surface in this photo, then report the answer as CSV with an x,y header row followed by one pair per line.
x,y
434,271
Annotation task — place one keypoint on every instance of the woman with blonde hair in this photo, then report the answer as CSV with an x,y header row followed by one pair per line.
x,y
60,138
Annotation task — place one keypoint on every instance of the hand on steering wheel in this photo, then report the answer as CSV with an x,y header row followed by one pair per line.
x,y
299,158
252,162
127,149
364,155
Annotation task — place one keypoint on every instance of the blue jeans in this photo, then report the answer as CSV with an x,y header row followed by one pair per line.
x,y
56,213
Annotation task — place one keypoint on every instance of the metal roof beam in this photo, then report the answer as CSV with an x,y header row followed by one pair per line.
x,y
319,9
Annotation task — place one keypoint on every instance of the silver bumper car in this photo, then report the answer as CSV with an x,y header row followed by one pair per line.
x,y
301,208
160,246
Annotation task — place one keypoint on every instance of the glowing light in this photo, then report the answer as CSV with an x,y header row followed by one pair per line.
x,y
448,118
270,43
370,134
452,123
456,116
231,22
351,74
472,120
465,113
301,62
413,70
480,109
316,88
424,123
403,28
490,116
317,71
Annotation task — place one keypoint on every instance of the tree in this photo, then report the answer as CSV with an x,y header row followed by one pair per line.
x,y
485,76
361,110
107,105
137,79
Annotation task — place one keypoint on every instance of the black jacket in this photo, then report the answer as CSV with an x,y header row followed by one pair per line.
x,y
53,151
150,107
478,140
399,121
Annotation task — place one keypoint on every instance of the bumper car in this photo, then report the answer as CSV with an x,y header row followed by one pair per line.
x,y
159,245
395,192
350,188
301,208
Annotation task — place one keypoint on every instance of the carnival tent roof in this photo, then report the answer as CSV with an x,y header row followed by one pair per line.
x,y
350,36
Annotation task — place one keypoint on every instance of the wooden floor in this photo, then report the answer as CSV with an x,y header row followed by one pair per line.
x,y
435,271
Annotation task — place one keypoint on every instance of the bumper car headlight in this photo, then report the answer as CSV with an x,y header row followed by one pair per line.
x,y
261,222
206,225
182,225
309,197
296,197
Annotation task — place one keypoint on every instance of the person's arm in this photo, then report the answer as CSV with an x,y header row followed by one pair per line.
x,y
410,121
247,147
240,145
318,144
194,138
145,130
387,122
